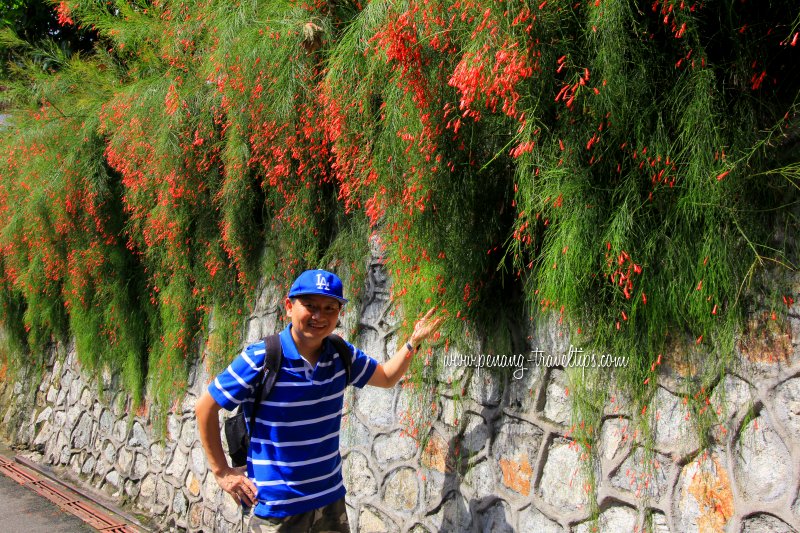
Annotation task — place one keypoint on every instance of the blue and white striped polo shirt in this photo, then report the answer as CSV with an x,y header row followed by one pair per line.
x,y
294,455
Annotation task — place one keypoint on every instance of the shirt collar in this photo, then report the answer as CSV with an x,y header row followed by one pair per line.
x,y
290,349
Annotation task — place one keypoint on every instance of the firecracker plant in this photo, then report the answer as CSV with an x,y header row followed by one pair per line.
x,y
617,168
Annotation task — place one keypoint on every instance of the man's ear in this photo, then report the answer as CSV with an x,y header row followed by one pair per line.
x,y
287,304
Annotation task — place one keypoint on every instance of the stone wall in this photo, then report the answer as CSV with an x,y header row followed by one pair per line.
x,y
498,453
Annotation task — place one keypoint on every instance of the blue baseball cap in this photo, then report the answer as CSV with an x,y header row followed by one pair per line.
x,y
319,282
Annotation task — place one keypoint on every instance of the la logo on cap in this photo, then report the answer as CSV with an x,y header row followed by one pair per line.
x,y
322,283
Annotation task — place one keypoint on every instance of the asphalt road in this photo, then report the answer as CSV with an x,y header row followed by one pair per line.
x,y
24,511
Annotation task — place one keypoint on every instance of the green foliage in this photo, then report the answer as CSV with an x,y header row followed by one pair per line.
x,y
617,169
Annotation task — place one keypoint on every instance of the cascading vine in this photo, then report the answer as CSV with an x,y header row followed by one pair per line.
x,y
617,166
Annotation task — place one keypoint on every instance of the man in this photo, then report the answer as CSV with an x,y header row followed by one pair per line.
x,y
294,467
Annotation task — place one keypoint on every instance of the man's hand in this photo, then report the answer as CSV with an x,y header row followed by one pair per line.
x,y
235,482
425,327
390,372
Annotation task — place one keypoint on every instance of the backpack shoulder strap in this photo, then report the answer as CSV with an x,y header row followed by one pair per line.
x,y
269,373
345,354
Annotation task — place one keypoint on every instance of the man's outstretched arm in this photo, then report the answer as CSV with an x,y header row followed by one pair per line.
x,y
231,480
387,375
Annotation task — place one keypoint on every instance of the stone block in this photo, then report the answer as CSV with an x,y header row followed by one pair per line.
x,y
253,329
452,411
358,476
177,466
198,464
75,391
476,433
658,524
557,406
765,523
211,490
109,452
764,348
371,520
65,450
615,438
196,516
374,345
437,454
395,446
75,464
147,489
44,436
209,518
106,423
521,395
138,437
131,489
189,432
452,371
496,518
453,515
157,455
120,431
614,519
88,465
485,388
73,414
673,432
563,483
787,395
376,405
113,478
119,405
124,461
231,510
515,450
401,490
193,485
188,403
703,499
480,478
61,399
173,427
102,467
762,462
87,399
730,398
140,466
765,341
163,497
531,520
44,415
643,478
66,378
179,504
435,485
82,435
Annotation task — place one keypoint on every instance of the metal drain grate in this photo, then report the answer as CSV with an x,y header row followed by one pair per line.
x,y
64,499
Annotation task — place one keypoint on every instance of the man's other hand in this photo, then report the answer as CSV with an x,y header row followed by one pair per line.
x,y
235,482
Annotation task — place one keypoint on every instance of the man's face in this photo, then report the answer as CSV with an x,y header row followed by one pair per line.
x,y
314,317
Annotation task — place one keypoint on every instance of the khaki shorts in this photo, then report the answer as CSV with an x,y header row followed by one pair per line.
x,y
331,518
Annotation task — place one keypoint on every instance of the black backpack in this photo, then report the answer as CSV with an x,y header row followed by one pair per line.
x,y
235,427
